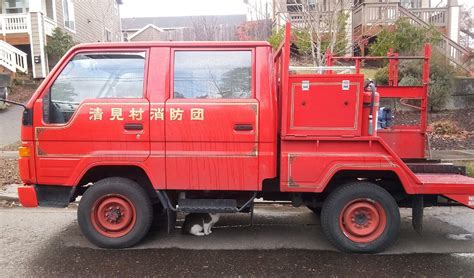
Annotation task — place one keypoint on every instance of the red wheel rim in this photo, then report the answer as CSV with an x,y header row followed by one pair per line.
x,y
363,220
113,215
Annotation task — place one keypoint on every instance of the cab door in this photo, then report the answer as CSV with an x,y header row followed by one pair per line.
x,y
212,121
93,112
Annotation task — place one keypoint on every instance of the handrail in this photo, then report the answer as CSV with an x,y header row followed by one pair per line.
x,y
12,58
373,13
446,43
425,24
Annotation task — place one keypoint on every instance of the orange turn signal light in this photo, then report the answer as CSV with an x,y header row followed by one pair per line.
x,y
24,152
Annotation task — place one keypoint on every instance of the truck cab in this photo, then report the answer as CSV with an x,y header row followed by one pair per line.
x,y
141,130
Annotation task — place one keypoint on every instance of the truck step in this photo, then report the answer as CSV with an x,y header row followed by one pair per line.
x,y
441,168
207,205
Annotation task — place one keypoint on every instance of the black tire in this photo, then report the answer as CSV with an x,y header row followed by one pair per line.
x,y
136,197
369,193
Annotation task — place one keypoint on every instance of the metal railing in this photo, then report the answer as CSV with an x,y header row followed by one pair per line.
x,y
12,58
368,14
451,49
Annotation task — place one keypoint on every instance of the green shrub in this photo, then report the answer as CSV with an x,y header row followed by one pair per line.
x,y
406,39
410,74
410,80
58,44
381,76
276,37
470,169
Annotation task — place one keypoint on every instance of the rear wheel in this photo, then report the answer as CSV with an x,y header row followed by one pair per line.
x,y
115,213
360,217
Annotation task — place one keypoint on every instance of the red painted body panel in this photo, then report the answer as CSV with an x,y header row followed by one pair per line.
x,y
321,131
210,153
308,166
397,137
406,141
27,196
325,108
62,149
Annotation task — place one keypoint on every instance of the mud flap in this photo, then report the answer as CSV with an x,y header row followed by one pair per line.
x,y
171,216
417,213
170,210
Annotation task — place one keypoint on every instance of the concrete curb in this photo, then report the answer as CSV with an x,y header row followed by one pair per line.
x,y
9,199
8,154
10,193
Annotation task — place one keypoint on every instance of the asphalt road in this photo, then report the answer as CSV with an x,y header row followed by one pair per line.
x,y
10,125
283,241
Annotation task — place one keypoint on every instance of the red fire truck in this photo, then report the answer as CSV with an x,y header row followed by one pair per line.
x,y
141,130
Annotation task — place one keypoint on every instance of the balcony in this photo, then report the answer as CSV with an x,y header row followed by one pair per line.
x,y
370,14
14,24
20,23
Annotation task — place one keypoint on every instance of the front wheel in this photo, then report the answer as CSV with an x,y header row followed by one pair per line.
x,y
115,213
360,217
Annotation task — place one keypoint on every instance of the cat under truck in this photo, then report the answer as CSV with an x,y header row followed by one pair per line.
x,y
144,130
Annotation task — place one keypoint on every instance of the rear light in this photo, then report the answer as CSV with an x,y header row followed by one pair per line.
x,y
24,151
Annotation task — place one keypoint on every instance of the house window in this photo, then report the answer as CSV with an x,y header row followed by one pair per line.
x,y
411,4
107,35
68,10
15,6
213,74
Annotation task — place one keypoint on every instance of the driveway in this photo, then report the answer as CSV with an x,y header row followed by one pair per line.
x,y
284,241
10,125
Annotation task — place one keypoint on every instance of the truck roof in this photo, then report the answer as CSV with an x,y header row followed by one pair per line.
x,y
186,44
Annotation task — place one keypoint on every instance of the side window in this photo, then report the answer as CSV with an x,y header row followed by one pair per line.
x,y
92,76
213,74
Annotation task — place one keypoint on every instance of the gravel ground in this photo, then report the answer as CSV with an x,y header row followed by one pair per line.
x,y
462,119
11,147
22,93
8,171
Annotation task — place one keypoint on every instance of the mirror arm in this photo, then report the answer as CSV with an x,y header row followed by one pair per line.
x,y
13,102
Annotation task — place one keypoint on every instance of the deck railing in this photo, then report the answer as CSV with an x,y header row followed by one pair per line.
x,y
369,14
13,24
49,25
12,58
386,13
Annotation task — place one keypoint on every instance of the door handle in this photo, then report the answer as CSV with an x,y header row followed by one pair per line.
x,y
243,127
134,126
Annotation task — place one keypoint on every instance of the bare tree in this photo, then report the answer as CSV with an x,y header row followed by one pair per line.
x,y
206,28
467,26
320,23
325,25
259,24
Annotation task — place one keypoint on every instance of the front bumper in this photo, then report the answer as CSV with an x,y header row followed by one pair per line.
x,y
27,196
46,195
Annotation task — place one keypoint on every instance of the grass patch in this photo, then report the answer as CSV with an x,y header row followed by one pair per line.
x,y
470,169
368,73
